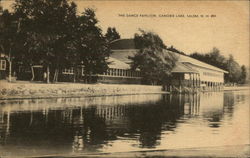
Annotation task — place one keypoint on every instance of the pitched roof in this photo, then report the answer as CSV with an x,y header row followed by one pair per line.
x,y
122,44
117,64
192,61
122,48
183,68
123,55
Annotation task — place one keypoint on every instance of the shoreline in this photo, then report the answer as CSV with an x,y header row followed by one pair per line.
x,y
241,150
213,151
75,96
29,90
237,88
37,90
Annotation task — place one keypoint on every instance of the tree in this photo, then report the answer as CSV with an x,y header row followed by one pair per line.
x,y
234,70
8,36
243,75
112,34
92,49
47,26
229,64
154,63
173,49
213,57
216,59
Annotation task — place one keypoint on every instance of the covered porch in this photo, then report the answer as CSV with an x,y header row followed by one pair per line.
x,y
184,79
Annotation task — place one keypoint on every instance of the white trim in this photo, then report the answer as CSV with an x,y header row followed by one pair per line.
x,y
37,66
122,50
3,64
2,55
68,71
119,76
221,71
82,71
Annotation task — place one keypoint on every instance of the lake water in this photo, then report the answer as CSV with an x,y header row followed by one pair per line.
x,y
35,127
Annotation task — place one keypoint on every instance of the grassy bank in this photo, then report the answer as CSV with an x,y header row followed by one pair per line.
x,y
42,90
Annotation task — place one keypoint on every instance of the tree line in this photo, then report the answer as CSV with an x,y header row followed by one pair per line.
x,y
53,34
236,73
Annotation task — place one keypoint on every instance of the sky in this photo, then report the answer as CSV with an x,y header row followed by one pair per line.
x,y
179,23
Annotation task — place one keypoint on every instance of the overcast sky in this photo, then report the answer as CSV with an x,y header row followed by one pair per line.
x,y
228,31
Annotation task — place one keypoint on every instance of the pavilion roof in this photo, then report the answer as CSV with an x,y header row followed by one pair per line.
x,y
183,68
117,64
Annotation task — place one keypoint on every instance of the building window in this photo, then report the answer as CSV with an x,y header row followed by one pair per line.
x,y
115,72
108,72
111,72
132,73
187,76
2,64
83,72
212,74
138,74
68,71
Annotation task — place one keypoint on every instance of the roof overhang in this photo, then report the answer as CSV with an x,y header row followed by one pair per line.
x,y
183,68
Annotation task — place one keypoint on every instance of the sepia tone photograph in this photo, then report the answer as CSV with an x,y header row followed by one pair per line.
x,y
123,78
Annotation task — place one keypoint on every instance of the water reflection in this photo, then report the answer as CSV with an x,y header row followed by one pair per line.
x,y
101,124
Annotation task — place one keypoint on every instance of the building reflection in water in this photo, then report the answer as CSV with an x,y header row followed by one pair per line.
x,y
89,124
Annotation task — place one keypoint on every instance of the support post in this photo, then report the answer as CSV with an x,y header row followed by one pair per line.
x,y
190,81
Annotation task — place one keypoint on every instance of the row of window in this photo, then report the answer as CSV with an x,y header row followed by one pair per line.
x,y
68,71
211,74
3,64
110,72
191,76
207,82
122,72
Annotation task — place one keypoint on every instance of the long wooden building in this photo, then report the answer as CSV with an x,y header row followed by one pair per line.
x,y
188,72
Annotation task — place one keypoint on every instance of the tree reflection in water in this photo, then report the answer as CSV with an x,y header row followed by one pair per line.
x,y
89,124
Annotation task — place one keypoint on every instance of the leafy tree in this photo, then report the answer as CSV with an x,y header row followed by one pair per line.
x,y
112,34
92,49
229,64
213,57
173,49
8,36
234,70
243,75
47,26
154,63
